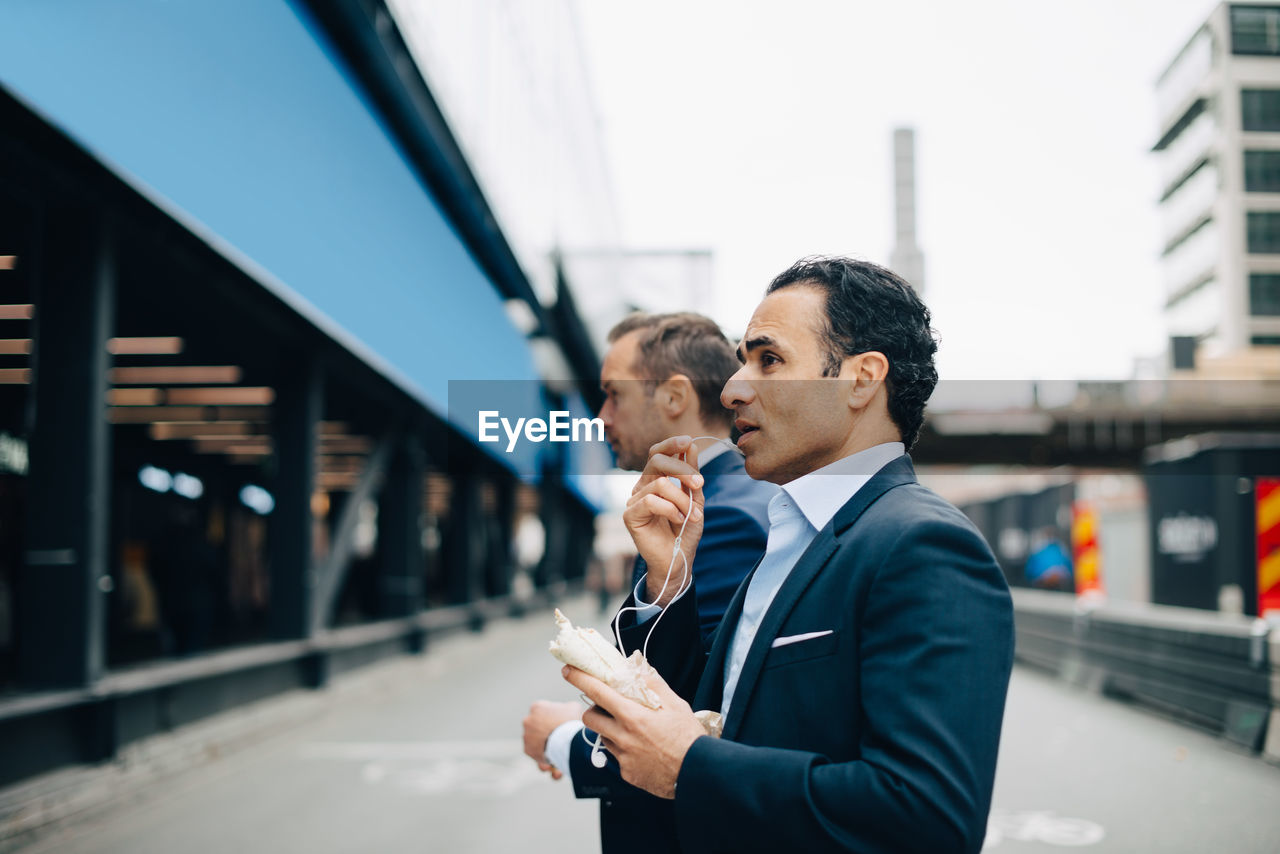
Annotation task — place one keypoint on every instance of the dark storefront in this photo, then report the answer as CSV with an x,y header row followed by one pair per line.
x,y
231,302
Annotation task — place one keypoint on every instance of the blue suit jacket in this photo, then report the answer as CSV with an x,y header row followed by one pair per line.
x,y
733,539
880,736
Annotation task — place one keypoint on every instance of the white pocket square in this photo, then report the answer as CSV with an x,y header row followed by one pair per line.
x,y
790,639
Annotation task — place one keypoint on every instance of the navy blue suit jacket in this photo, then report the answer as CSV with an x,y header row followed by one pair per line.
x,y
733,539
880,736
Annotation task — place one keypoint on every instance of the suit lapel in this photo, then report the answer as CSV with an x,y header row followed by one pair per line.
x,y
807,568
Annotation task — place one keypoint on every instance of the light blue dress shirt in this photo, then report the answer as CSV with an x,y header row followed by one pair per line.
x,y
797,514
789,535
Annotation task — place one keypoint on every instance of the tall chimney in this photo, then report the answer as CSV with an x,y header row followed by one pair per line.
x,y
905,259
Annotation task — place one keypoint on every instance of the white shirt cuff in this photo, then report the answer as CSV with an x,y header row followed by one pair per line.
x,y
559,742
646,611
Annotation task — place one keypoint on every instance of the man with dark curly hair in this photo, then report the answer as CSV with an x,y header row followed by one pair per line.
x,y
861,669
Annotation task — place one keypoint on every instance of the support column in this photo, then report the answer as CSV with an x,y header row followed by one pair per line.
x,y
582,535
465,541
66,564
400,576
298,409
500,530
331,573
551,569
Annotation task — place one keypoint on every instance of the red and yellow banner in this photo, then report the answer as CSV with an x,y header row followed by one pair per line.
x,y
1084,550
1267,495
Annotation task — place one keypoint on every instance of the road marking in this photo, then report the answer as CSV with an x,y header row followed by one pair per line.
x,y
478,768
410,750
1041,826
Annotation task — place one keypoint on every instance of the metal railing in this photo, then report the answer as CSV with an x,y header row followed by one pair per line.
x,y
1215,671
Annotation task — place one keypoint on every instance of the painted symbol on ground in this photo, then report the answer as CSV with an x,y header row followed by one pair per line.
x,y
1041,826
497,767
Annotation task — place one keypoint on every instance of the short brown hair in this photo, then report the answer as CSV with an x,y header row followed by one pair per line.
x,y
683,343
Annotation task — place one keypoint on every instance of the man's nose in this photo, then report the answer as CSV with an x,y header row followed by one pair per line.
x,y
737,391
606,414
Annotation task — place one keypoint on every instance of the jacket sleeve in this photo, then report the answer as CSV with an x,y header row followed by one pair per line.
x,y
588,780
935,637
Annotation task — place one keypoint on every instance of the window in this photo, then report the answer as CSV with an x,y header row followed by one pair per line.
x,y
1265,340
1263,232
1255,30
1260,109
1264,294
1262,171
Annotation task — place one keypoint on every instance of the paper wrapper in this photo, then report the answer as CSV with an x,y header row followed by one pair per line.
x,y
711,722
590,652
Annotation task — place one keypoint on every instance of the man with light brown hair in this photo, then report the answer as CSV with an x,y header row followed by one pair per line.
x,y
662,377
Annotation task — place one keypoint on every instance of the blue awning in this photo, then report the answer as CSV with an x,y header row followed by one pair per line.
x,y
239,119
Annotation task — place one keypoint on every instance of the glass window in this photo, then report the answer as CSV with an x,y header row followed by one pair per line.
x,y
1264,232
1260,109
1264,294
1262,171
1255,30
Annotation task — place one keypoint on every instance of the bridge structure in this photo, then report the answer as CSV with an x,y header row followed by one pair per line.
x,y
1087,424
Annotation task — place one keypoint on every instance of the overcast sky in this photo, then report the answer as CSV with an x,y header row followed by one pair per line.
x,y
763,132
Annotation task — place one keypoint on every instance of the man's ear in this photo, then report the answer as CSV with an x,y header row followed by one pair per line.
x,y
675,395
866,373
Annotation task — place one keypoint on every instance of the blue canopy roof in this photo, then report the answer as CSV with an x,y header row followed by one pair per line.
x,y
239,119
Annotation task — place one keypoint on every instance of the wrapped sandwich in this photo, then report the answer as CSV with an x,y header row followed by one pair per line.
x,y
590,652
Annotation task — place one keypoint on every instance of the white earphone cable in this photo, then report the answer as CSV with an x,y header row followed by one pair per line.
x,y
686,580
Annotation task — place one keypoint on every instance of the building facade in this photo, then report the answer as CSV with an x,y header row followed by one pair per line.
x,y
1219,162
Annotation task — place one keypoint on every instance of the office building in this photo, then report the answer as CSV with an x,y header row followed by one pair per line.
x,y
1219,161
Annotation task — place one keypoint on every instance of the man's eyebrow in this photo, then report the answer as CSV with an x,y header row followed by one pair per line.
x,y
754,344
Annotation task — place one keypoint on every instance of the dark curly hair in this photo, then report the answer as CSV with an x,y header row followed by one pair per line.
x,y
871,308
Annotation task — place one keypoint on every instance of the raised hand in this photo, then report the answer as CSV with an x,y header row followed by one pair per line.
x,y
658,510
649,744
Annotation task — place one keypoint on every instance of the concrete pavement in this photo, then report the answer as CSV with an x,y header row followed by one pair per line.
x,y
423,754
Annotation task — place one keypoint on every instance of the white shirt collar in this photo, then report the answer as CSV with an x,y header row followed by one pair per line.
x,y
820,493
